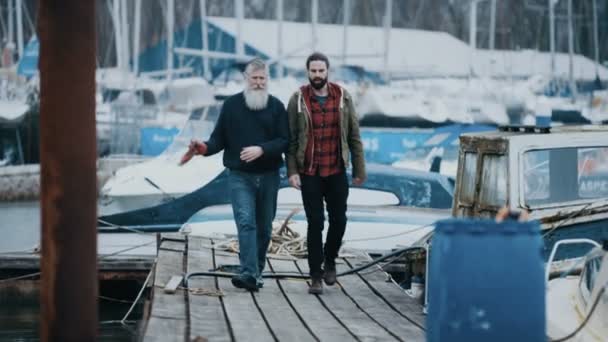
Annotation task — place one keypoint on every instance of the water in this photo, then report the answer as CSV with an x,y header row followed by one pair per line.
x,y
20,321
20,317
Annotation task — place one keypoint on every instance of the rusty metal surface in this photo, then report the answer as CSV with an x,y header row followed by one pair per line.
x,y
67,170
123,275
479,143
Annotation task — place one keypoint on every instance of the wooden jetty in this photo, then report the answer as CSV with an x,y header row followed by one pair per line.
x,y
366,306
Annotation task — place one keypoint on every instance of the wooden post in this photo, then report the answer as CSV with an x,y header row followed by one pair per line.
x,y
67,170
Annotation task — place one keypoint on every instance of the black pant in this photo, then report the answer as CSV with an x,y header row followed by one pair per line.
x,y
334,190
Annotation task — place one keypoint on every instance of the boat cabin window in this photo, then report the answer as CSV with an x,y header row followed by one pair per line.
x,y
493,191
199,126
565,175
589,276
467,191
593,172
146,97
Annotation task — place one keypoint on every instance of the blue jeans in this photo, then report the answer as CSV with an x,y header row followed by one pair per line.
x,y
254,205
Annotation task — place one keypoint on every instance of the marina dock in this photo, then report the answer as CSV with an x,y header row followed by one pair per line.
x,y
120,257
366,306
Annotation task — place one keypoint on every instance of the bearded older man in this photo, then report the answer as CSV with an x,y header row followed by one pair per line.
x,y
252,130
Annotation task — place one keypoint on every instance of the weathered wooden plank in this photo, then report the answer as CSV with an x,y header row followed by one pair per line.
x,y
280,316
245,318
168,316
207,318
393,295
349,314
169,262
162,329
171,306
376,308
173,283
174,236
319,321
175,246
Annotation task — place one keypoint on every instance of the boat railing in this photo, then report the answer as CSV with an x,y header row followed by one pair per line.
x,y
565,242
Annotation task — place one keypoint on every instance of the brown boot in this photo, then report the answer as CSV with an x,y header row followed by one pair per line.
x,y
316,286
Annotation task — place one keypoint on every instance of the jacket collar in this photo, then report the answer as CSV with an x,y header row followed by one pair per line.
x,y
334,90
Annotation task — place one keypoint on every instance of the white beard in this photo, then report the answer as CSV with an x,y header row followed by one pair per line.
x,y
256,99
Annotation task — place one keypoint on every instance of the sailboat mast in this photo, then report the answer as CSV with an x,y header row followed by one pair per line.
x,y
11,23
205,38
314,18
240,16
125,34
345,23
19,16
492,24
596,43
170,30
117,33
552,35
280,38
388,21
472,34
136,33
571,51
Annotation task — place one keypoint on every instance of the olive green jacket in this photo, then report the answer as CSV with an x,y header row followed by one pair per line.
x,y
300,122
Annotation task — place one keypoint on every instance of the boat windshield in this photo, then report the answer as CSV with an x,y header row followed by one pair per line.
x,y
555,176
232,74
199,126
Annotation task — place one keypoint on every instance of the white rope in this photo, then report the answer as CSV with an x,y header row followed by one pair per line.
x,y
141,291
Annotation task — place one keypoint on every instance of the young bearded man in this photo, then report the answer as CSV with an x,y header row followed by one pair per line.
x,y
324,132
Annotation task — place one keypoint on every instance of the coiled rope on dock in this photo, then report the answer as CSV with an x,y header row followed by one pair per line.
x,y
285,242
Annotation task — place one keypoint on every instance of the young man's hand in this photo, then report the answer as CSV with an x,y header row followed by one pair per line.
x,y
358,181
251,153
294,180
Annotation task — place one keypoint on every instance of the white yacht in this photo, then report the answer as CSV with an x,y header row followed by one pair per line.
x,y
161,178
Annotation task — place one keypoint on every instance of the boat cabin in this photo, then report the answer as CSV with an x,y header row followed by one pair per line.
x,y
546,171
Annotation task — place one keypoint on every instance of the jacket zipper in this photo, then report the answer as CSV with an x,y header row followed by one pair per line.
x,y
312,135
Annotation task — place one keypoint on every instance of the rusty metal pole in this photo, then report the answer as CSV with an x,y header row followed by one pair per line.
x,y
67,169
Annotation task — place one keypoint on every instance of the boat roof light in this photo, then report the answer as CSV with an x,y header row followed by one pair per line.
x,y
525,129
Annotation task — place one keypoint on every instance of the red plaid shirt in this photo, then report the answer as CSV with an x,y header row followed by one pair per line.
x,y
324,141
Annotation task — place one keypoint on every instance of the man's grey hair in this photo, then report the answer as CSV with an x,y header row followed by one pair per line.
x,y
254,65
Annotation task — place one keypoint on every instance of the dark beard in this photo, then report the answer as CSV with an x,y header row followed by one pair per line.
x,y
318,85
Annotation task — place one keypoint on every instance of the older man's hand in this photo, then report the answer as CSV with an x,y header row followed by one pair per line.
x,y
251,153
195,147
